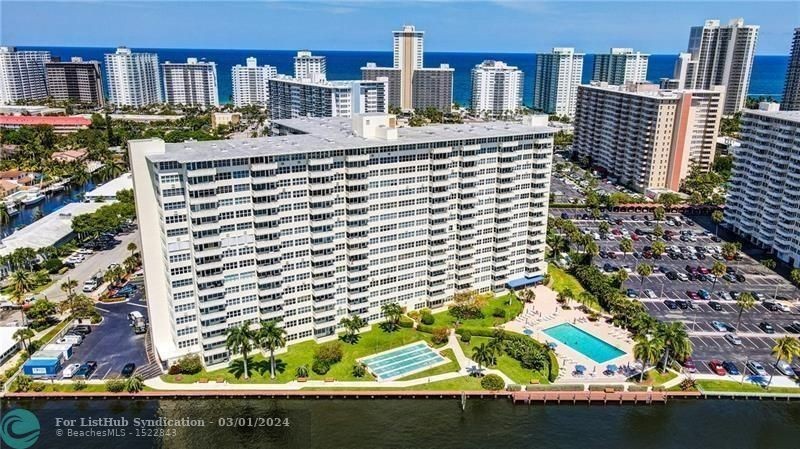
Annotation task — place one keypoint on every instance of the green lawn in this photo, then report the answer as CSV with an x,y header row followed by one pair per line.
x,y
456,384
509,366
55,330
727,385
655,377
371,342
450,367
560,280
512,310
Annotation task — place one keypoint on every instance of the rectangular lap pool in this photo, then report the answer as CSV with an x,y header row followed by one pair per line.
x,y
584,342
402,361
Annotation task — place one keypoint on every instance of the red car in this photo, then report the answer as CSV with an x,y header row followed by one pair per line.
x,y
689,365
703,270
634,237
616,232
692,295
717,368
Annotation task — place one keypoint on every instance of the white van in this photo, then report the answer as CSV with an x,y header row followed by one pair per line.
x,y
134,316
72,339
90,285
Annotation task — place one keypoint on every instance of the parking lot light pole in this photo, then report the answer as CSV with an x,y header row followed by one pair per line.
x,y
744,371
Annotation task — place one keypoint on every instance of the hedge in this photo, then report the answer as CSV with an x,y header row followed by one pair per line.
x,y
425,328
552,375
406,322
638,388
603,387
556,387
514,387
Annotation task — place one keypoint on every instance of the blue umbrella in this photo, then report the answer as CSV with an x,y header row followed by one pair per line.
x,y
580,368
611,368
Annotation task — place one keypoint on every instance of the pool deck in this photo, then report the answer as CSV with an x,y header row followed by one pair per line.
x,y
545,312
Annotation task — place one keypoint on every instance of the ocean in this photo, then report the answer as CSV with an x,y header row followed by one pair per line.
x,y
767,79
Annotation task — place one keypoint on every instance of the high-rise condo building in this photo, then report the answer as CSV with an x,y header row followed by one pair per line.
x,y
251,83
496,88
133,78
307,66
293,97
720,56
411,85
620,66
75,80
764,196
22,75
331,218
193,83
558,75
791,89
647,137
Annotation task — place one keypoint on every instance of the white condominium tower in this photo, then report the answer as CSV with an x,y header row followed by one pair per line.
x,y
644,136
133,78
719,56
307,66
496,88
558,75
293,98
412,86
334,217
251,83
22,75
193,83
620,66
791,89
764,196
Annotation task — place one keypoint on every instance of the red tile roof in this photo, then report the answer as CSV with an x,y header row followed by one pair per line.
x,y
52,120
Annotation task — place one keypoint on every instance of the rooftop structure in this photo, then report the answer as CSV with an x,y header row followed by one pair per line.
x,y
109,190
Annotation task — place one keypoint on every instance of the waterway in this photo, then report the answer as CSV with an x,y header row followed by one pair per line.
x,y
51,203
410,423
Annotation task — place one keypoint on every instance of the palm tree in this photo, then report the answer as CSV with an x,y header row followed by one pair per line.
x,y
643,270
392,312
603,227
112,168
795,276
626,245
271,337
134,384
718,270
5,217
676,340
745,301
658,214
659,248
482,355
621,276
558,244
646,350
528,295
240,339
24,335
21,281
132,248
591,250
786,348
717,217
69,286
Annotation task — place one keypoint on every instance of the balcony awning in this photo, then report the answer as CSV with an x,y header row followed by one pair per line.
x,y
524,282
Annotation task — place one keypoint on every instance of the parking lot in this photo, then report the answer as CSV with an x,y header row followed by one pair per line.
x,y
113,343
657,290
569,186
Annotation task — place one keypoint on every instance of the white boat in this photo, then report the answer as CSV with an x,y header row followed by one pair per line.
x,y
34,196
11,209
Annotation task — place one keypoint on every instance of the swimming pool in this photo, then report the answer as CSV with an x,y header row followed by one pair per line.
x,y
584,342
402,361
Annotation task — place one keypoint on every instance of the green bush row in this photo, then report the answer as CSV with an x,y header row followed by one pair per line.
x,y
603,387
552,373
555,387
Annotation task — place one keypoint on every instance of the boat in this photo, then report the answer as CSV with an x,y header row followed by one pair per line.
x,y
34,196
11,209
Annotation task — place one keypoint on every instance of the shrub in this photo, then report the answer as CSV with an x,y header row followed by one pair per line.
x,y
34,346
465,311
79,385
414,315
38,386
329,353
115,385
514,387
466,336
440,335
498,313
190,364
52,265
425,328
552,374
320,367
359,370
301,371
688,384
24,383
427,318
406,322
492,382
96,317
175,368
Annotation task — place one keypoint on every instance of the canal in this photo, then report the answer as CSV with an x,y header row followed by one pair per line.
x,y
51,203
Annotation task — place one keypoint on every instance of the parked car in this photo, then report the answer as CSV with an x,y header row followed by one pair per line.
x,y
128,369
794,327
90,285
672,276
716,367
719,326
670,304
70,370
740,277
689,366
631,293
771,306
731,368
650,294
715,305
693,295
682,304
785,368
703,294
86,370
81,329
683,277
766,327
733,339
756,368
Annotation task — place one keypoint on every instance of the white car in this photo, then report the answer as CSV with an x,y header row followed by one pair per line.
x,y
650,294
783,307
725,296
85,251
784,368
596,236
683,277
756,368
90,285
733,339
70,370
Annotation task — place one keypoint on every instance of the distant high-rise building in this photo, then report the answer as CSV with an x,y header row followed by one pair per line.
x,y
75,80
496,88
791,89
411,85
558,75
293,97
22,75
644,136
251,83
620,66
762,202
193,83
720,56
133,78
307,66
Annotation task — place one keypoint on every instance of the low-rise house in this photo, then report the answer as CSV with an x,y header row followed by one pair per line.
x,y
21,177
60,124
8,187
67,156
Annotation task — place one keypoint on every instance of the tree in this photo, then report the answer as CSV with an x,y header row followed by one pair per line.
x,y
393,312
134,384
669,199
659,214
745,301
352,325
69,286
591,250
659,248
40,310
626,245
24,335
794,275
647,351
132,248
658,231
301,371
483,355
717,217
603,227
621,276
240,339
643,270
270,337
676,341
5,217
528,295
770,264
786,348
21,282
718,269
730,250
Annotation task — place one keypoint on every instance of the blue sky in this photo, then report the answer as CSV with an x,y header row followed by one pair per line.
x,y
514,26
